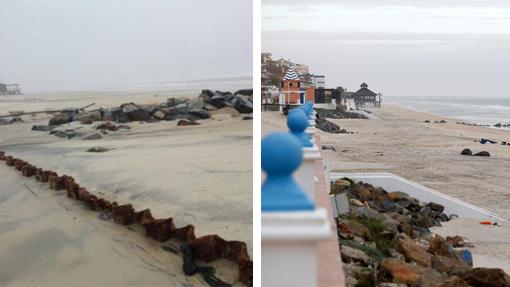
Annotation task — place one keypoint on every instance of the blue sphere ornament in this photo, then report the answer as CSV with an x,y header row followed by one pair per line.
x,y
297,123
281,156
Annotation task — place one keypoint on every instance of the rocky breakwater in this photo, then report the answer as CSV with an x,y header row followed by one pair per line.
x,y
207,248
385,241
186,111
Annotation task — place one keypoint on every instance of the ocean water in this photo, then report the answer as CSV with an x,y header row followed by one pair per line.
x,y
487,111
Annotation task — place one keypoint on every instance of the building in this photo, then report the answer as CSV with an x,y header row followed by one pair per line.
x,y
319,81
365,98
291,87
10,89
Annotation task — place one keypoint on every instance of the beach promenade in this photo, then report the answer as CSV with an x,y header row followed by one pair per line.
x,y
400,142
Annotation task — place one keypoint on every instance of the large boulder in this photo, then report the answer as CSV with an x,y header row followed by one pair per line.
x,y
245,92
119,116
487,277
135,112
90,117
482,153
414,252
243,104
396,271
196,103
61,118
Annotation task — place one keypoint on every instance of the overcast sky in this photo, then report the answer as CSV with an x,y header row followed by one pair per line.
x,y
400,48
93,44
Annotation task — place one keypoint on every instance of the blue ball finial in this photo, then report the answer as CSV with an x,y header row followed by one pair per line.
x,y
297,123
281,156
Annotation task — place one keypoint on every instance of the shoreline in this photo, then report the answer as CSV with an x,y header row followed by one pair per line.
x,y
473,122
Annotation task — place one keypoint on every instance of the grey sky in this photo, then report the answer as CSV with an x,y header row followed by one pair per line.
x,y
94,44
400,48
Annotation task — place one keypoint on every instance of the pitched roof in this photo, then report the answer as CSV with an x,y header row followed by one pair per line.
x,y
364,91
291,75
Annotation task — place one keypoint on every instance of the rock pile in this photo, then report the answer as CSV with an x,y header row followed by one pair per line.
x,y
329,127
385,241
468,152
186,111
338,114
207,248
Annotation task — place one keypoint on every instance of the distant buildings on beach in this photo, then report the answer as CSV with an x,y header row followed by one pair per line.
x,y
285,82
10,89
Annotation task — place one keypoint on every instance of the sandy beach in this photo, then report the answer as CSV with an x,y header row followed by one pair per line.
x,y
199,175
400,142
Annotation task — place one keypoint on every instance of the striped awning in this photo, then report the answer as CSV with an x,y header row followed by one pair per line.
x,y
291,75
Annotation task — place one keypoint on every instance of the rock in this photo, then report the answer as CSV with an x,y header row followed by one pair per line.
x,y
442,122
398,272
209,107
217,100
397,195
466,151
453,281
446,264
94,136
352,255
482,153
42,128
124,214
436,206
186,233
182,108
209,248
487,277
243,104
172,102
63,134
328,147
90,117
431,278
59,119
159,114
458,241
368,212
246,272
119,116
245,92
327,126
414,252
135,112
196,103
158,229
356,202
247,117
427,121
439,246
200,114
187,123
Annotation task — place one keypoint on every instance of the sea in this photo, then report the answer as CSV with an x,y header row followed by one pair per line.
x,y
483,111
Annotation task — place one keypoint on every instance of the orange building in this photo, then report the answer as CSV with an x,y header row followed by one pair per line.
x,y
291,87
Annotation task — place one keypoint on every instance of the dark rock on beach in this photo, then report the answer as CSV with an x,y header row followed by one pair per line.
x,y
466,151
482,153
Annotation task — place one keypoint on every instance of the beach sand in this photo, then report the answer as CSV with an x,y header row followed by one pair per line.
x,y
399,142
199,175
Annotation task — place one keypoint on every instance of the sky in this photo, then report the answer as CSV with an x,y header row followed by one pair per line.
x,y
400,48
58,45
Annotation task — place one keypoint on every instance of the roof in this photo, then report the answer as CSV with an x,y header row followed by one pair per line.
x,y
364,91
291,75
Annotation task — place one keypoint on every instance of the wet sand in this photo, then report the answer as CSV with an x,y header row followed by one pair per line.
x,y
399,142
199,175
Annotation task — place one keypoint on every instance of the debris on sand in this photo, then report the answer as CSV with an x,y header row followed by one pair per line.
x,y
187,123
385,241
207,248
98,149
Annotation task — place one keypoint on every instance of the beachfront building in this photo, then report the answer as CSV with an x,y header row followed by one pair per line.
x,y
365,98
10,89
